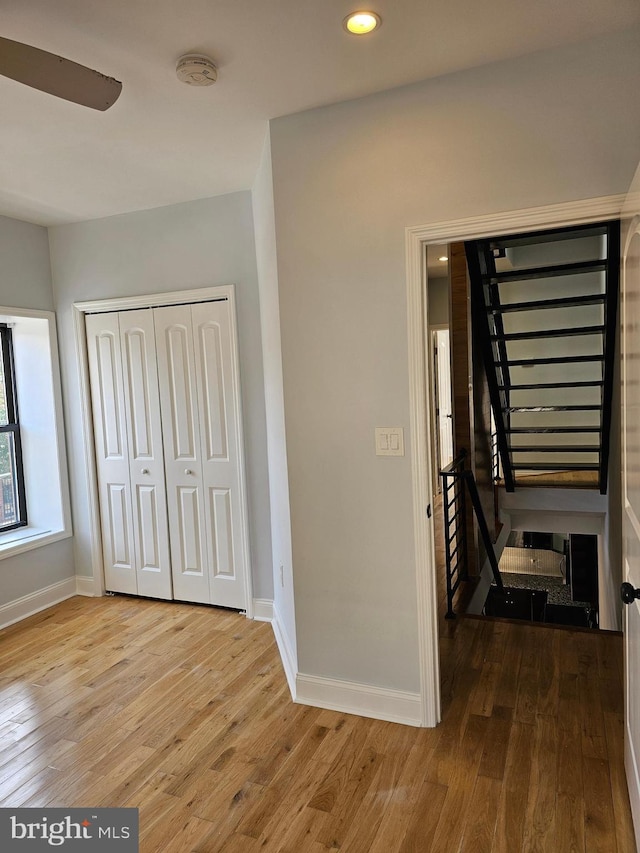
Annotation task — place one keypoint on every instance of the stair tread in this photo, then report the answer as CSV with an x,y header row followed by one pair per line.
x,y
556,448
548,271
549,333
545,466
569,429
548,385
556,359
545,304
534,409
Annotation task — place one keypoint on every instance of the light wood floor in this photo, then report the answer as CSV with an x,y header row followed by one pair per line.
x,y
184,712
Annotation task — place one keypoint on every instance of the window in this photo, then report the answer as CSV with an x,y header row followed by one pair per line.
x,y
13,505
34,506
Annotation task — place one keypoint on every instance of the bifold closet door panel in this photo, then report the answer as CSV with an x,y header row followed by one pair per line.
x,y
146,462
183,465
217,375
110,431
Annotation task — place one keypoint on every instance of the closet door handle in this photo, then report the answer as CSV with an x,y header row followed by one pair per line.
x,y
188,471
144,471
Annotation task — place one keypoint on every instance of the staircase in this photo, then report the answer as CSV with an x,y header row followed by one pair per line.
x,y
544,307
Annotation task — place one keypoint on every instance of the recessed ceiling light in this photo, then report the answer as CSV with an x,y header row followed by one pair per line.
x,y
361,23
443,258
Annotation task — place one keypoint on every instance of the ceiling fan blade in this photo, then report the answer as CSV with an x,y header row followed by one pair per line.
x,y
57,76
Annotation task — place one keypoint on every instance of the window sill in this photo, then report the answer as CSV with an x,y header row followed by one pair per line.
x,y
26,538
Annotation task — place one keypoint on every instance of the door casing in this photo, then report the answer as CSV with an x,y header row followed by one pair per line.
x,y
420,443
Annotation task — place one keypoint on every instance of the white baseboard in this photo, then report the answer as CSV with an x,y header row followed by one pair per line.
x,y
36,601
263,609
364,700
85,586
394,706
286,653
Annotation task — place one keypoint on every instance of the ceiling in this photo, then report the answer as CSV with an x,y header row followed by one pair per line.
x,y
164,142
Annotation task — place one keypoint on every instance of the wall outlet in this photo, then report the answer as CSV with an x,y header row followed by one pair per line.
x,y
281,575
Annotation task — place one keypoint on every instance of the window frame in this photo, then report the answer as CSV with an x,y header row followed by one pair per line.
x,y
13,426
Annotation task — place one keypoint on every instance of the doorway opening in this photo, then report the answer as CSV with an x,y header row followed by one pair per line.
x,y
416,239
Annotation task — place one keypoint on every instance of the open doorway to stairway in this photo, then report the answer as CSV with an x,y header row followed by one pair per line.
x,y
533,326
425,524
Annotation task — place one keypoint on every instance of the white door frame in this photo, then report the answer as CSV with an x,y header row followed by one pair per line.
x,y
153,300
509,222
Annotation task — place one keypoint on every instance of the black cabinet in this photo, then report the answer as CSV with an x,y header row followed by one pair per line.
x,y
583,562
541,541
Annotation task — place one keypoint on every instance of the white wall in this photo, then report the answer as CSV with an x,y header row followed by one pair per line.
x,y
25,282
264,225
348,179
438,305
198,244
25,273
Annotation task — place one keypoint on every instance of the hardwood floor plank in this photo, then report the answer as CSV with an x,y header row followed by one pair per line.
x,y
419,835
600,829
569,708
570,826
368,818
496,747
338,822
614,728
528,679
460,787
540,829
483,697
288,784
507,687
413,796
481,816
512,808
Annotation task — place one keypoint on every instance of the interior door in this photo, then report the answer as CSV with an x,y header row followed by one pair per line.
x,y
112,457
630,353
443,398
182,453
146,463
214,346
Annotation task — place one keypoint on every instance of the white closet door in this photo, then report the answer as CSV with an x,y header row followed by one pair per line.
x,y
183,465
216,374
146,463
110,430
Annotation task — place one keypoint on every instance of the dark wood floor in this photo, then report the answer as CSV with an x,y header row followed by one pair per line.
x,y
184,713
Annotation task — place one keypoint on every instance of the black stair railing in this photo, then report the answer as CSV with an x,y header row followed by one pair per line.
x,y
457,481
540,308
481,265
611,321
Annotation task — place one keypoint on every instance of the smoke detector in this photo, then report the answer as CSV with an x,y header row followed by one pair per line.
x,y
196,70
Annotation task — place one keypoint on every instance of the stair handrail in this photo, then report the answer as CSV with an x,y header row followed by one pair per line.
x,y
455,571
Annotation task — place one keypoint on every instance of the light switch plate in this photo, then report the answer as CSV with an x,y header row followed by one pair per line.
x,y
389,441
